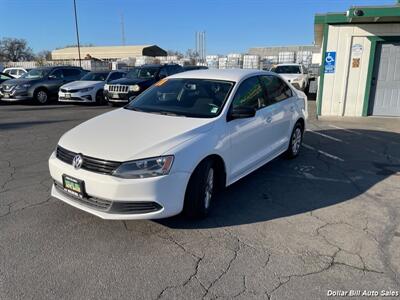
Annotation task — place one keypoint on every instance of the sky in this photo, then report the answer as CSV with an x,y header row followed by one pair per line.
x,y
230,25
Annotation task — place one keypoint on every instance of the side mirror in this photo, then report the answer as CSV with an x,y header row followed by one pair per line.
x,y
241,112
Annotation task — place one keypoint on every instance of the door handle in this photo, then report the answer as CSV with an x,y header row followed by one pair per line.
x,y
268,119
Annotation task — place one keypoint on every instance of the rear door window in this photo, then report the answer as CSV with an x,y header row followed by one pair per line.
x,y
276,89
71,72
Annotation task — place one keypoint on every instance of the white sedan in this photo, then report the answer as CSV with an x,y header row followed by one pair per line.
x,y
182,140
89,89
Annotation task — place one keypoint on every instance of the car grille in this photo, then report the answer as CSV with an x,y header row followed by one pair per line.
x,y
140,207
96,203
118,88
8,88
89,163
68,91
135,207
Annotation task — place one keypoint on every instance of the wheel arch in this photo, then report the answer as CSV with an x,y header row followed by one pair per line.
x,y
220,165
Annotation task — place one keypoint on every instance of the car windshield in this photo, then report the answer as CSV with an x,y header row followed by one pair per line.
x,y
198,98
92,76
142,73
287,70
36,74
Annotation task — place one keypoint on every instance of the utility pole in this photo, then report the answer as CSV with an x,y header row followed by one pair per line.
x,y
123,29
77,34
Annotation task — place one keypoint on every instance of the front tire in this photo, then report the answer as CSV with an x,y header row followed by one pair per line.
x,y
200,191
41,96
99,97
296,140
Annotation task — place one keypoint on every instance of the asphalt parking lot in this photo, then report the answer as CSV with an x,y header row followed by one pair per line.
x,y
328,220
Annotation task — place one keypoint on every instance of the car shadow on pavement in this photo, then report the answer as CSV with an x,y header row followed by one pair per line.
x,y
21,125
327,172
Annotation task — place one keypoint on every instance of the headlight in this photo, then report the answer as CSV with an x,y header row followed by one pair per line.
x,y
144,168
86,90
106,87
134,88
22,86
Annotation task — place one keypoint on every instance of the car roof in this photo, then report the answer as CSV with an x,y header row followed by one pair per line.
x,y
221,74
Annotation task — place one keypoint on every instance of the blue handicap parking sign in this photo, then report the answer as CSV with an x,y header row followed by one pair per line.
x,y
330,62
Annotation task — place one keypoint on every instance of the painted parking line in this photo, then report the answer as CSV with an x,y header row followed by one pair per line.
x,y
323,153
325,135
366,134
345,129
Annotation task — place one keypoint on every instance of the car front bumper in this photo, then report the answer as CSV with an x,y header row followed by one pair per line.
x,y
166,192
15,95
119,97
76,97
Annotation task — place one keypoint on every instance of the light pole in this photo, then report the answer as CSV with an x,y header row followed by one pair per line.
x,y
77,34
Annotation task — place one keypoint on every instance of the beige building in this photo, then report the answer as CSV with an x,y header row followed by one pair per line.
x,y
360,62
108,52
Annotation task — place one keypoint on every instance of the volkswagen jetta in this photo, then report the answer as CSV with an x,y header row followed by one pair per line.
x,y
178,143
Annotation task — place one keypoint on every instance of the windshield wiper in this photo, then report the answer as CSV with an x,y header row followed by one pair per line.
x,y
132,108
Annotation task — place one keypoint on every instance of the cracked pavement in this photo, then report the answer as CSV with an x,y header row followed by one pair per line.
x,y
294,229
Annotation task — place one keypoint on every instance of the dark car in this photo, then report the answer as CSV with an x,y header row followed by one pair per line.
x,y
192,68
136,81
39,84
4,77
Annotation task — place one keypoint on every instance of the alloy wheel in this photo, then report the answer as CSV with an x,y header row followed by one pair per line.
x,y
42,96
209,188
296,140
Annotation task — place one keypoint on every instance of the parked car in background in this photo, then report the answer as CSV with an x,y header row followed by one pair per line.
x,y
296,74
187,137
192,68
16,72
89,89
136,81
4,77
39,84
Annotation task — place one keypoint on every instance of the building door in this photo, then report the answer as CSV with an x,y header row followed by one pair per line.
x,y
386,80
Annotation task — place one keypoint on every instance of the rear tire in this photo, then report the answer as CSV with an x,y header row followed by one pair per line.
x,y
41,96
296,139
200,191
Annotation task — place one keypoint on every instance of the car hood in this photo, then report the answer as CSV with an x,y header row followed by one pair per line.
x,y
291,76
128,81
20,81
123,135
80,84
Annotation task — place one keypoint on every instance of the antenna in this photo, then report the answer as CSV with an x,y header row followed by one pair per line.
x,y
122,29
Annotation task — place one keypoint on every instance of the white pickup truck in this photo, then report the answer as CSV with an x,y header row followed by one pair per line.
x,y
296,74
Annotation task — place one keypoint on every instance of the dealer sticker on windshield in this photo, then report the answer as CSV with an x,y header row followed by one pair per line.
x,y
161,82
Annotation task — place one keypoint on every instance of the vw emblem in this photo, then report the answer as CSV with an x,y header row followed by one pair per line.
x,y
77,162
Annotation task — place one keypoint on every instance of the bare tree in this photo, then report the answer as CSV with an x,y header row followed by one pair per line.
x,y
44,55
192,55
12,49
175,53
